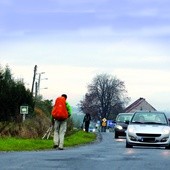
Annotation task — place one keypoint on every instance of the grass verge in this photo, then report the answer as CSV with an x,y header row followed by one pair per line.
x,y
19,144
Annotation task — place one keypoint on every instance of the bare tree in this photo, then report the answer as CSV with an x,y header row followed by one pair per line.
x,y
106,94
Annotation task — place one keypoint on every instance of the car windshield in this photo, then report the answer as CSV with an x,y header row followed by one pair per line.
x,y
149,118
124,117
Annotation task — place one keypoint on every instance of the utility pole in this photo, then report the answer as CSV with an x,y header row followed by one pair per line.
x,y
33,82
36,90
39,79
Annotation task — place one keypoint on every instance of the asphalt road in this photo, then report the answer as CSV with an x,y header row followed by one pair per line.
x,y
109,154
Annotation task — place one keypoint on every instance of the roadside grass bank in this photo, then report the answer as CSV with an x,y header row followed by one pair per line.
x,y
20,144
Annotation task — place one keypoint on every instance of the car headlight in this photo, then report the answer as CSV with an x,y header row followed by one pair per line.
x,y
119,127
131,129
165,131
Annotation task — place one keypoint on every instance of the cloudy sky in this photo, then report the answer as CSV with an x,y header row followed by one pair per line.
x,y
73,41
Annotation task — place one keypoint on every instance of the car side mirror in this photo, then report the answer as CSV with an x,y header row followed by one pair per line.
x,y
127,122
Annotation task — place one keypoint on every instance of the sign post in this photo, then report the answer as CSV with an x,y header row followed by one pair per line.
x,y
23,111
104,124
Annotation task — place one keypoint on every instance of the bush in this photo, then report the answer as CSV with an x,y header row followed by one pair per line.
x,y
33,127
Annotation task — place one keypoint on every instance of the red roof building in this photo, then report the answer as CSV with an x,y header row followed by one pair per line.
x,y
140,104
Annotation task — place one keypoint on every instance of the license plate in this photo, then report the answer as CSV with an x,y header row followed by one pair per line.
x,y
151,140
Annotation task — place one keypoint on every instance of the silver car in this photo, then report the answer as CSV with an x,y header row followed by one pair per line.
x,y
148,129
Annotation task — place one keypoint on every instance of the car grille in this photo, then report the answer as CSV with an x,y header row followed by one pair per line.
x,y
148,135
150,140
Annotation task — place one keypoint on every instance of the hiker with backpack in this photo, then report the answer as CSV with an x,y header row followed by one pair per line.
x,y
60,113
86,121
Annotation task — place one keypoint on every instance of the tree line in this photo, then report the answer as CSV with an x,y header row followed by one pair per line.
x,y
13,94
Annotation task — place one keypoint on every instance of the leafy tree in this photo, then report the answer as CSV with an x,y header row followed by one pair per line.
x,y
105,98
13,94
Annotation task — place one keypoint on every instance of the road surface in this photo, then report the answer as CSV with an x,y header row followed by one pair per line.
x,y
109,154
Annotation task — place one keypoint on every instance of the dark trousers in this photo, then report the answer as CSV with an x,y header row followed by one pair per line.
x,y
87,126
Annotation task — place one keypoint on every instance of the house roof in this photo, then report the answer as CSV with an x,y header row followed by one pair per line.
x,y
136,104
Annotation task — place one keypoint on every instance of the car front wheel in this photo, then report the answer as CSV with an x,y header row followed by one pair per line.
x,y
116,135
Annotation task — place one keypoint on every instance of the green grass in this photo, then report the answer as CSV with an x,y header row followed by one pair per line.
x,y
18,144
80,138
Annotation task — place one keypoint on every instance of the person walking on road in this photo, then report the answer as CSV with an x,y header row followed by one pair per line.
x,y
86,121
59,123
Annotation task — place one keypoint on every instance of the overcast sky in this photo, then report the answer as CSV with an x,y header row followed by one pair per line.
x,y
74,40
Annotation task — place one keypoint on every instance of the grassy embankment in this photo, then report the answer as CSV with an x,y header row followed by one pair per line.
x,y
19,144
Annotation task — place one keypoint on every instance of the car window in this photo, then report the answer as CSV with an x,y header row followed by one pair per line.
x,y
124,117
152,118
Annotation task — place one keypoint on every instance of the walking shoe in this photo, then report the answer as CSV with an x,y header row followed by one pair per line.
x,y
60,148
55,146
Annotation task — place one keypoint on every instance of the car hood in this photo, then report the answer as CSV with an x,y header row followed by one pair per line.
x,y
148,128
122,124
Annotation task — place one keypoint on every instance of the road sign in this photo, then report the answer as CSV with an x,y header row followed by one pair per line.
x,y
104,122
23,109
